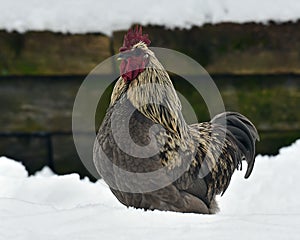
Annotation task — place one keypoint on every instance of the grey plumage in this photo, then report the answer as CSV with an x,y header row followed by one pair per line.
x,y
207,153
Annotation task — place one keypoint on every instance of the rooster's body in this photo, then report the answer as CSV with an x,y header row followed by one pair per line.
x,y
197,160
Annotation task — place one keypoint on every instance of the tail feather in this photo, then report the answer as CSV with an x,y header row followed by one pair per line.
x,y
244,132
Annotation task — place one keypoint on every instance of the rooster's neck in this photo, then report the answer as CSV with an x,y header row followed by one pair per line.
x,y
153,94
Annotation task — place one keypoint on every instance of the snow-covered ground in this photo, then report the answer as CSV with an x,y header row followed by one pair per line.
x,y
47,206
82,16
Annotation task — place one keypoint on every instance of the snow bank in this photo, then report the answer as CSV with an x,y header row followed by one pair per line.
x,y
105,16
46,188
47,206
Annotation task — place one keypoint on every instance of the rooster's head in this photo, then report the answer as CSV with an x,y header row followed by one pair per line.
x,y
133,54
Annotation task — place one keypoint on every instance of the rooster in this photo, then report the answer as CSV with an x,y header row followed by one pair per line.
x,y
144,132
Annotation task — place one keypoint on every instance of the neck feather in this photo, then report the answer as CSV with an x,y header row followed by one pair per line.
x,y
154,95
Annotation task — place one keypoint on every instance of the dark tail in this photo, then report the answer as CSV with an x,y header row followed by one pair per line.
x,y
244,132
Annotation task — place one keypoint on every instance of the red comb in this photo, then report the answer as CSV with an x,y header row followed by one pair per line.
x,y
132,37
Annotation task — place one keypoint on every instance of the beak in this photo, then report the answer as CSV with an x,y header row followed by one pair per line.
x,y
123,55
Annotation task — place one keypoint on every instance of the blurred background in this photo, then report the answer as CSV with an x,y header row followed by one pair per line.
x,y
251,50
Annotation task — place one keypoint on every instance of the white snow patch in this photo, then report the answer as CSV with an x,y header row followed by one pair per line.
x,y
9,168
46,188
105,16
271,189
47,206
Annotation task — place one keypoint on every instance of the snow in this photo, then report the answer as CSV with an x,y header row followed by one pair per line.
x,y
105,16
48,206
